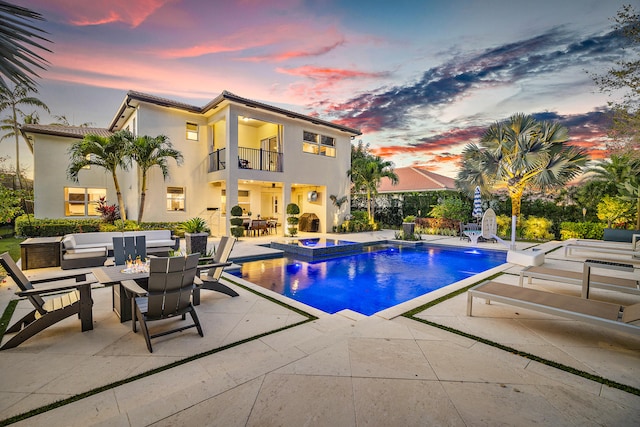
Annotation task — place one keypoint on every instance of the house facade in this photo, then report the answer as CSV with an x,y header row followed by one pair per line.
x,y
236,152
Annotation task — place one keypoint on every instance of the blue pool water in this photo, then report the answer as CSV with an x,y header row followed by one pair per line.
x,y
380,277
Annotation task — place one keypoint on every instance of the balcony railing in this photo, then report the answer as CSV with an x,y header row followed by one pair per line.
x,y
248,158
216,160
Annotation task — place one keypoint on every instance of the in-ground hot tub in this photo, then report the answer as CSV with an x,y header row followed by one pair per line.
x,y
317,247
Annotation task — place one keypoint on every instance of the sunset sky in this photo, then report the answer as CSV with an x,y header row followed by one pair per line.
x,y
419,78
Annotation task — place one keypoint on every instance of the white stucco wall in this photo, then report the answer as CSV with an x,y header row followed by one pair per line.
x,y
327,175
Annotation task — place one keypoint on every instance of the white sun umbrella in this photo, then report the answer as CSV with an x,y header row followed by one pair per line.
x,y
477,204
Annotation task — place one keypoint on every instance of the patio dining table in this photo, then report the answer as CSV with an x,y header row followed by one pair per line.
x,y
113,276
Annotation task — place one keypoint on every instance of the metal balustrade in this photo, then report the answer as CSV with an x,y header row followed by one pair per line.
x,y
248,158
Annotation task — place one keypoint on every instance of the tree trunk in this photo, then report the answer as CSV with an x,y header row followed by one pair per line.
x,y
369,206
116,184
143,196
638,210
516,202
15,131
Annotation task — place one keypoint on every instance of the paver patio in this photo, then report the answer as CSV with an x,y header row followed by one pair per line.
x,y
342,369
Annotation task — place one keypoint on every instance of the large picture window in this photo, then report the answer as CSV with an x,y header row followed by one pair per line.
x,y
175,198
82,201
322,145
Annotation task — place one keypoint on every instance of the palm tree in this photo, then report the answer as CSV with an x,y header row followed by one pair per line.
x,y
617,170
149,152
109,153
367,170
517,154
63,121
12,100
17,38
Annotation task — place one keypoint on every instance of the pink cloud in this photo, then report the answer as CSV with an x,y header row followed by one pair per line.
x,y
85,13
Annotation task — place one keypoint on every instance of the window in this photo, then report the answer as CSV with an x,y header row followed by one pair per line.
x,y
322,145
82,201
175,199
192,131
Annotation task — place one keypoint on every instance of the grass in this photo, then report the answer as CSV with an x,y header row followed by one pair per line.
x,y
11,245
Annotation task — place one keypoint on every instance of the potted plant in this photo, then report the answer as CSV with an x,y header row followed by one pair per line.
x,y
237,229
196,233
292,211
409,225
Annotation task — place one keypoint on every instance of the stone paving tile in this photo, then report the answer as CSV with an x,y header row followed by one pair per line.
x,y
385,402
296,400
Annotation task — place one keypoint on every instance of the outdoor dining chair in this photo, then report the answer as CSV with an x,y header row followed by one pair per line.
x,y
170,288
76,301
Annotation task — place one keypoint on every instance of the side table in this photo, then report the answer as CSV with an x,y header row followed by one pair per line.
x,y
40,252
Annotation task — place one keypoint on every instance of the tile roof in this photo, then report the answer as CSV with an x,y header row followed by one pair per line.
x,y
413,179
68,131
224,96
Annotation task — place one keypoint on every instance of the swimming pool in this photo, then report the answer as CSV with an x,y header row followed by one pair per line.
x,y
378,278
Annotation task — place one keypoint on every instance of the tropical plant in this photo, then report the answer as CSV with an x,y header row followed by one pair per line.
x,y
11,205
630,192
518,154
194,225
612,172
109,213
148,152
109,153
292,219
614,210
367,170
623,80
12,100
18,37
451,208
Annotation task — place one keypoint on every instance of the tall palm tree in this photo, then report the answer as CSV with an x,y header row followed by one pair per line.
x,y
367,170
109,153
18,37
614,171
519,153
149,152
12,100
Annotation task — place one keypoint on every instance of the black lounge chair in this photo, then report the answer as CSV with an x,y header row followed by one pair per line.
x,y
76,301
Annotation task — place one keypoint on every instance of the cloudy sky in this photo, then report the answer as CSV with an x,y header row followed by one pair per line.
x,y
420,78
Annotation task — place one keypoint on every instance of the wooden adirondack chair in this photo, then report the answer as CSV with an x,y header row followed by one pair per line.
x,y
46,313
214,270
171,284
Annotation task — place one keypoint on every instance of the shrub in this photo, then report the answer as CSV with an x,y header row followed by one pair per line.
x,y
581,230
437,226
409,218
504,225
292,211
27,226
238,228
537,228
451,208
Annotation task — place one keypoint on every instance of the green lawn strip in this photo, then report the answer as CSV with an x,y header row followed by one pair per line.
x,y
411,315
77,397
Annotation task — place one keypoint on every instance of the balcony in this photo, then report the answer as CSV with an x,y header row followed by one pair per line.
x,y
248,158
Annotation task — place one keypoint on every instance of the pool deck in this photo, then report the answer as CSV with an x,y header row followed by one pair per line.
x,y
263,364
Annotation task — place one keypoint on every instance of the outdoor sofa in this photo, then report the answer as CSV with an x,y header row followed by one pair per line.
x,y
81,250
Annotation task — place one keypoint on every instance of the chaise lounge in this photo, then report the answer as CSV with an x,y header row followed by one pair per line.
x,y
599,313
630,286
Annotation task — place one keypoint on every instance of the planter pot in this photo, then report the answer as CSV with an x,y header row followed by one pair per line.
x,y
408,228
196,242
619,235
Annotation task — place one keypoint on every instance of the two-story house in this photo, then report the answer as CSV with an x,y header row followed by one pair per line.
x,y
236,152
